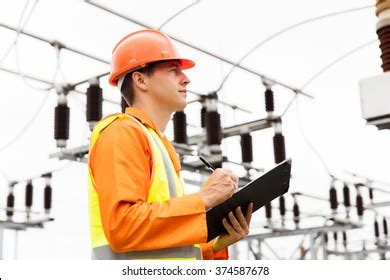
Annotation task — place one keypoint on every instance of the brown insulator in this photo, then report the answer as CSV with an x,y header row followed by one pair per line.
x,y
94,103
296,212
384,38
279,148
335,236
359,205
333,198
213,128
47,197
218,164
347,199
381,5
344,238
268,210
203,116
61,124
326,239
282,206
385,232
246,148
10,204
180,127
371,194
47,194
29,195
269,100
376,228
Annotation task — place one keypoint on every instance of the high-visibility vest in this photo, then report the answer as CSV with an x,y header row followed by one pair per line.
x,y
165,184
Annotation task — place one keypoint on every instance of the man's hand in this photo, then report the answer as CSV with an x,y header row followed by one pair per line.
x,y
220,186
237,229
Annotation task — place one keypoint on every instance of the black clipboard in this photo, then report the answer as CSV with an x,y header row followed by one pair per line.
x,y
260,191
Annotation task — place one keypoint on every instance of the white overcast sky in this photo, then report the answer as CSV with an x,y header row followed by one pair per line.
x,y
332,121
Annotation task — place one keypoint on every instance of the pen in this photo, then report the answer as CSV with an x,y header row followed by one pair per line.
x,y
207,163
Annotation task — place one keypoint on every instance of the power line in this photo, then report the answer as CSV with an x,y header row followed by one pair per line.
x,y
52,84
19,29
178,13
23,77
315,76
26,126
104,8
56,43
280,32
337,60
14,44
40,107
308,142
328,66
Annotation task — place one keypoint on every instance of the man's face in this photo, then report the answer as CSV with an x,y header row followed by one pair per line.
x,y
167,84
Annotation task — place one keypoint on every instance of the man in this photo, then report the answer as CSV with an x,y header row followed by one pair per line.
x,y
138,209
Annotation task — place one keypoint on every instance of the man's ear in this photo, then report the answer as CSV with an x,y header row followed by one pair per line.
x,y
139,80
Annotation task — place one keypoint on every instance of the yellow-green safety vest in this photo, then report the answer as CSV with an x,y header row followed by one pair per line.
x,y
165,184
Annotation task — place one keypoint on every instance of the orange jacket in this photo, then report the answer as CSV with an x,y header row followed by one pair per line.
x,y
121,164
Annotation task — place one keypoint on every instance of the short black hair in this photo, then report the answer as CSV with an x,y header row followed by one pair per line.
x,y
127,88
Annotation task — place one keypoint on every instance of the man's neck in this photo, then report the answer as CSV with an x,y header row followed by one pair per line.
x,y
159,117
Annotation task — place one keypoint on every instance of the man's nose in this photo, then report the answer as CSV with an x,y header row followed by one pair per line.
x,y
185,79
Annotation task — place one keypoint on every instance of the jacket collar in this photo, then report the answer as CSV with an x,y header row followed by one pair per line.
x,y
142,117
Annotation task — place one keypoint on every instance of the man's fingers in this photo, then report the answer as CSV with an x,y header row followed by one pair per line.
x,y
241,219
234,221
249,212
232,176
228,227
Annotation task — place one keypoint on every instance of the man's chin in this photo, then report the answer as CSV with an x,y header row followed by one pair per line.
x,y
181,106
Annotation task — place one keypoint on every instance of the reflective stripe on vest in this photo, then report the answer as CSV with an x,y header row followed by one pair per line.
x,y
105,253
165,184
171,180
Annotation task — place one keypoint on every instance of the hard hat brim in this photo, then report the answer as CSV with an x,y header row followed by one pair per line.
x,y
184,64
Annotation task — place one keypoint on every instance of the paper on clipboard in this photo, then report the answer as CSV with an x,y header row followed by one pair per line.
x,y
260,191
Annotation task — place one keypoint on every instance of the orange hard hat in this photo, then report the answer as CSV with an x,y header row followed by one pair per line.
x,y
139,48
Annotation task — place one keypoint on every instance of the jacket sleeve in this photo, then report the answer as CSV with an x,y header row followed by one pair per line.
x,y
209,254
121,165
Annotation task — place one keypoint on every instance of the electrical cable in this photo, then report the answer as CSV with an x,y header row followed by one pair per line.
x,y
178,13
24,78
4,175
338,60
285,30
55,42
35,115
19,29
26,126
125,17
308,142
37,176
328,66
